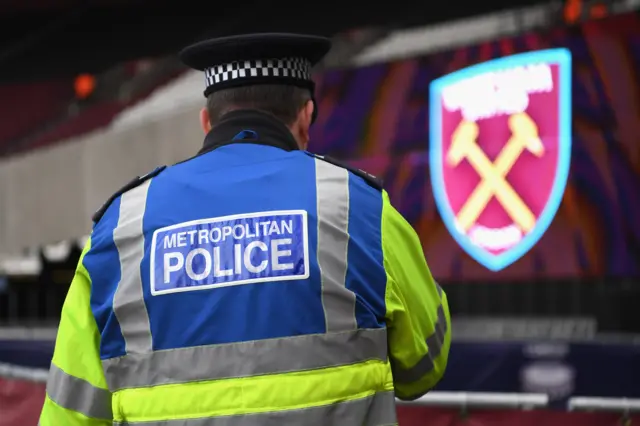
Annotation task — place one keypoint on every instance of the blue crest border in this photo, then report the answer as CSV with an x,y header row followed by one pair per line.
x,y
559,56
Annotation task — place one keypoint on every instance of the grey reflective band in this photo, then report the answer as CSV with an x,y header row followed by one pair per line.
x,y
426,363
332,189
128,300
78,395
376,410
243,359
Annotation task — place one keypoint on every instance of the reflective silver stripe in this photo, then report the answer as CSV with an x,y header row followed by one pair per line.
x,y
78,395
244,359
128,300
376,410
426,363
332,188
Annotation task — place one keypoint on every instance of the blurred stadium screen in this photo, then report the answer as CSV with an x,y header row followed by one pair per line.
x,y
378,117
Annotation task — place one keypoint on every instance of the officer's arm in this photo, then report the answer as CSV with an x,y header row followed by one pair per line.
x,y
418,319
77,392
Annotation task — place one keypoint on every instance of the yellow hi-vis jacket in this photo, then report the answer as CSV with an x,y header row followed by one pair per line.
x,y
253,285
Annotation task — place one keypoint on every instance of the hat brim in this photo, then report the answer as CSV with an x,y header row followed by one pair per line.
x,y
210,53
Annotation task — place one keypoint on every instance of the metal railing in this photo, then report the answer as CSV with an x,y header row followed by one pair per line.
x,y
611,405
469,400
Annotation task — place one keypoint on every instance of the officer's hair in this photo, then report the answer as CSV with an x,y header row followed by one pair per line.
x,y
282,101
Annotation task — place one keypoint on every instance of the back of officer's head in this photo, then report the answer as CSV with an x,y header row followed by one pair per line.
x,y
269,72
291,105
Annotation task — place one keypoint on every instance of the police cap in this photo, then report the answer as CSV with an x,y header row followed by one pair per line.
x,y
269,58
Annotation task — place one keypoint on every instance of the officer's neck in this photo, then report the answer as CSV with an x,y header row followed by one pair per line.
x,y
253,126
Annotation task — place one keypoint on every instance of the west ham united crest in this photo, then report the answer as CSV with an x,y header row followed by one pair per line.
x,y
500,152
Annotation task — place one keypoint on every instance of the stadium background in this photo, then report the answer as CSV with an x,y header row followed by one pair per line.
x,y
89,91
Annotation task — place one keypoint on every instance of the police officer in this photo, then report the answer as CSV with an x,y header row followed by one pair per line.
x,y
255,284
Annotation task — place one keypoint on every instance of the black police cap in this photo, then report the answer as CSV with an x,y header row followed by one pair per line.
x,y
269,58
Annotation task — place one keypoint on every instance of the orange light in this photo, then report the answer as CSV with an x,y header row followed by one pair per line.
x,y
84,85
572,11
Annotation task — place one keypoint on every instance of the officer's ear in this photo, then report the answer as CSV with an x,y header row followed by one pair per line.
x,y
305,117
205,121
301,127
308,112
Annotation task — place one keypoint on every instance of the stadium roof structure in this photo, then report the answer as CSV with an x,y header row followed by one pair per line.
x,y
46,38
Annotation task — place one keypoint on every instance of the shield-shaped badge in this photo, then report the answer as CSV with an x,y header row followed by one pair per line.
x,y
500,152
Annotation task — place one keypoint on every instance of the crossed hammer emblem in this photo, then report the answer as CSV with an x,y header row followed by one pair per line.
x,y
524,137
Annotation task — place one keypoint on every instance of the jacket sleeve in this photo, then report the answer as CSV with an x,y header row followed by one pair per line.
x,y
418,321
77,393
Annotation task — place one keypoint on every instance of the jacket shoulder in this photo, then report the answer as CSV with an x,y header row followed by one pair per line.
x,y
137,181
370,179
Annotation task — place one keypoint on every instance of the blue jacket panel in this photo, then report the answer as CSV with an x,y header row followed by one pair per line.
x,y
231,248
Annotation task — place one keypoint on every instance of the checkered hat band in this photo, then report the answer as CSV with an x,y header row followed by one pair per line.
x,y
297,68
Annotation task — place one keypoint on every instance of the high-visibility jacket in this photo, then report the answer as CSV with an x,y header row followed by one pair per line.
x,y
252,285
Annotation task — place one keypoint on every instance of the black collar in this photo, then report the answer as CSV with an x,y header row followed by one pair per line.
x,y
249,126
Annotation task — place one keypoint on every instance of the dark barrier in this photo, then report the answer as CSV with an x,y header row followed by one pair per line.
x,y
556,369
